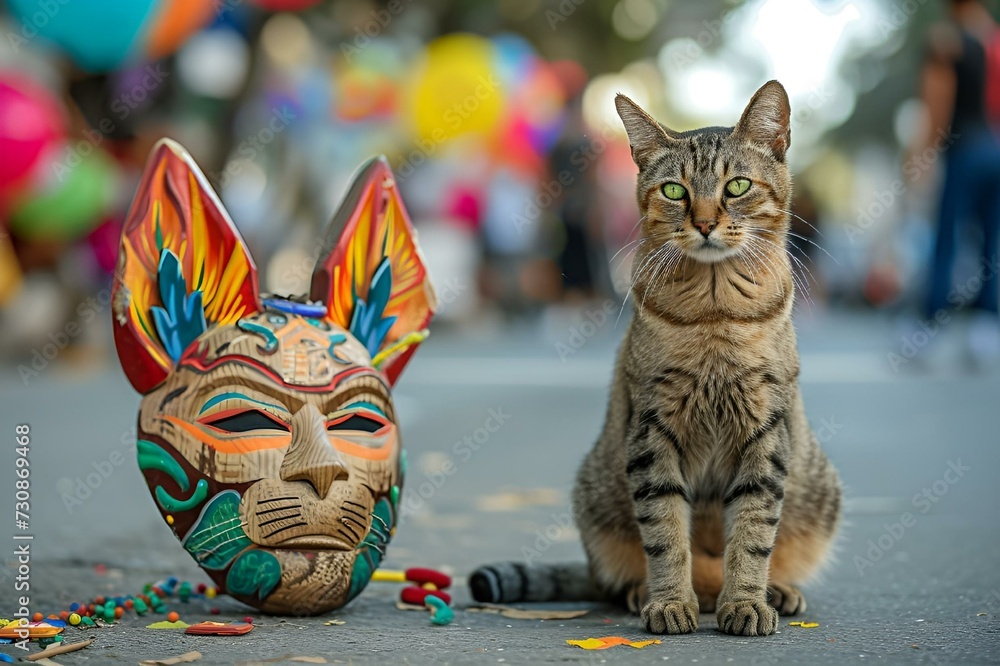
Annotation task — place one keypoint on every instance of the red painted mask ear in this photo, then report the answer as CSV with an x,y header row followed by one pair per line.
x,y
182,268
372,277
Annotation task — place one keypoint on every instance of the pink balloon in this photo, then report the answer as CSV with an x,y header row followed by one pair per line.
x,y
31,121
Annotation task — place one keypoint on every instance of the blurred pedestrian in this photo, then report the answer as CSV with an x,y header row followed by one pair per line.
x,y
961,73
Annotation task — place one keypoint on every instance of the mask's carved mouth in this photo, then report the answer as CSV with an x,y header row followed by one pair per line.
x,y
315,541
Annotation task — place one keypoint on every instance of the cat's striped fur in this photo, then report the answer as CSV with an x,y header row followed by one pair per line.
x,y
707,490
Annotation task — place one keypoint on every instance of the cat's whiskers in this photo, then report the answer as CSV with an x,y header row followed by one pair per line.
x,y
636,274
786,248
814,244
800,281
764,262
628,292
803,220
635,227
659,265
636,242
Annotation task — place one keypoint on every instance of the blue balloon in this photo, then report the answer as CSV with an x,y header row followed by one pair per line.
x,y
97,34
514,56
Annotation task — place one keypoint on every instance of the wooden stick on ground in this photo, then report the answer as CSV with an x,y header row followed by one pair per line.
x,y
61,648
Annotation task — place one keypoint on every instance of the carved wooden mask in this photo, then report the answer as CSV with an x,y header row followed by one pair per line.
x,y
267,432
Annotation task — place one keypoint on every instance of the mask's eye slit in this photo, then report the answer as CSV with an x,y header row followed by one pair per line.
x,y
247,421
356,423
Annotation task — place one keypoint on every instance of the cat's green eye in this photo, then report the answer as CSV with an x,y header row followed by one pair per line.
x,y
737,187
674,191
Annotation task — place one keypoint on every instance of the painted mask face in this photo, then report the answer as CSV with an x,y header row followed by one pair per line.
x,y
267,432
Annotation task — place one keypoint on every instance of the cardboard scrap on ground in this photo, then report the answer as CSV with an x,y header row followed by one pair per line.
x,y
334,623
609,642
519,614
520,499
409,607
170,661
287,657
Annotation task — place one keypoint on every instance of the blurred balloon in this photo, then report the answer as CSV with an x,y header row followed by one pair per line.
x,y
284,5
533,120
457,90
368,83
513,57
571,75
541,100
69,208
515,147
31,123
215,63
100,35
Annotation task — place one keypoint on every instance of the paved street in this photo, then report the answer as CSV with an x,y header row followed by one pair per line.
x,y
923,588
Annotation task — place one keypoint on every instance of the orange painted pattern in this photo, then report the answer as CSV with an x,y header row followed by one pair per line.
x,y
381,228
176,209
227,445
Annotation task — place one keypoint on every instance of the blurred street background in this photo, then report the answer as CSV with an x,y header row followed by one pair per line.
x,y
498,120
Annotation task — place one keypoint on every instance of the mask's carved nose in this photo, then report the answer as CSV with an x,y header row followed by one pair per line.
x,y
705,226
310,456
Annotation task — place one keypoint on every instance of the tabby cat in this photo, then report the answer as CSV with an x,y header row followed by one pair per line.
x,y
706,490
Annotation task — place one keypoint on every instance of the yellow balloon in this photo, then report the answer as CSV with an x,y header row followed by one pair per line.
x,y
456,90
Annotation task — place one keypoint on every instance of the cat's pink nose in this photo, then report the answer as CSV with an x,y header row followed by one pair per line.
x,y
705,226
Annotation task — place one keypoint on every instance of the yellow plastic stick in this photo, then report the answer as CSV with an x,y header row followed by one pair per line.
x,y
389,576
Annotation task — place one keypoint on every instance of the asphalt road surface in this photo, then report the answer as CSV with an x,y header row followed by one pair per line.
x,y
916,580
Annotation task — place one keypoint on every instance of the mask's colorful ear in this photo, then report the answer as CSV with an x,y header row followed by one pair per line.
x,y
372,277
182,267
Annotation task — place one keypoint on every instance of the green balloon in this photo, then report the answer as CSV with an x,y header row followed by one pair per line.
x,y
71,205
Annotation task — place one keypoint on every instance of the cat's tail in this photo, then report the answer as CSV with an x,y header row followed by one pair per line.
x,y
508,582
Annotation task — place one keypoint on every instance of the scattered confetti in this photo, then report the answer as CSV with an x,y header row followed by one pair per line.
x,y
441,614
170,661
609,642
334,623
219,629
165,624
804,625
35,630
409,607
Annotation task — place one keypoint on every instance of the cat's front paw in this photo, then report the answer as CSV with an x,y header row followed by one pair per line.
x,y
785,599
747,618
670,617
635,598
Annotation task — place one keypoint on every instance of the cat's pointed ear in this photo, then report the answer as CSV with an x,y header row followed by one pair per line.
x,y
182,267
767,119
645,135
372,277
